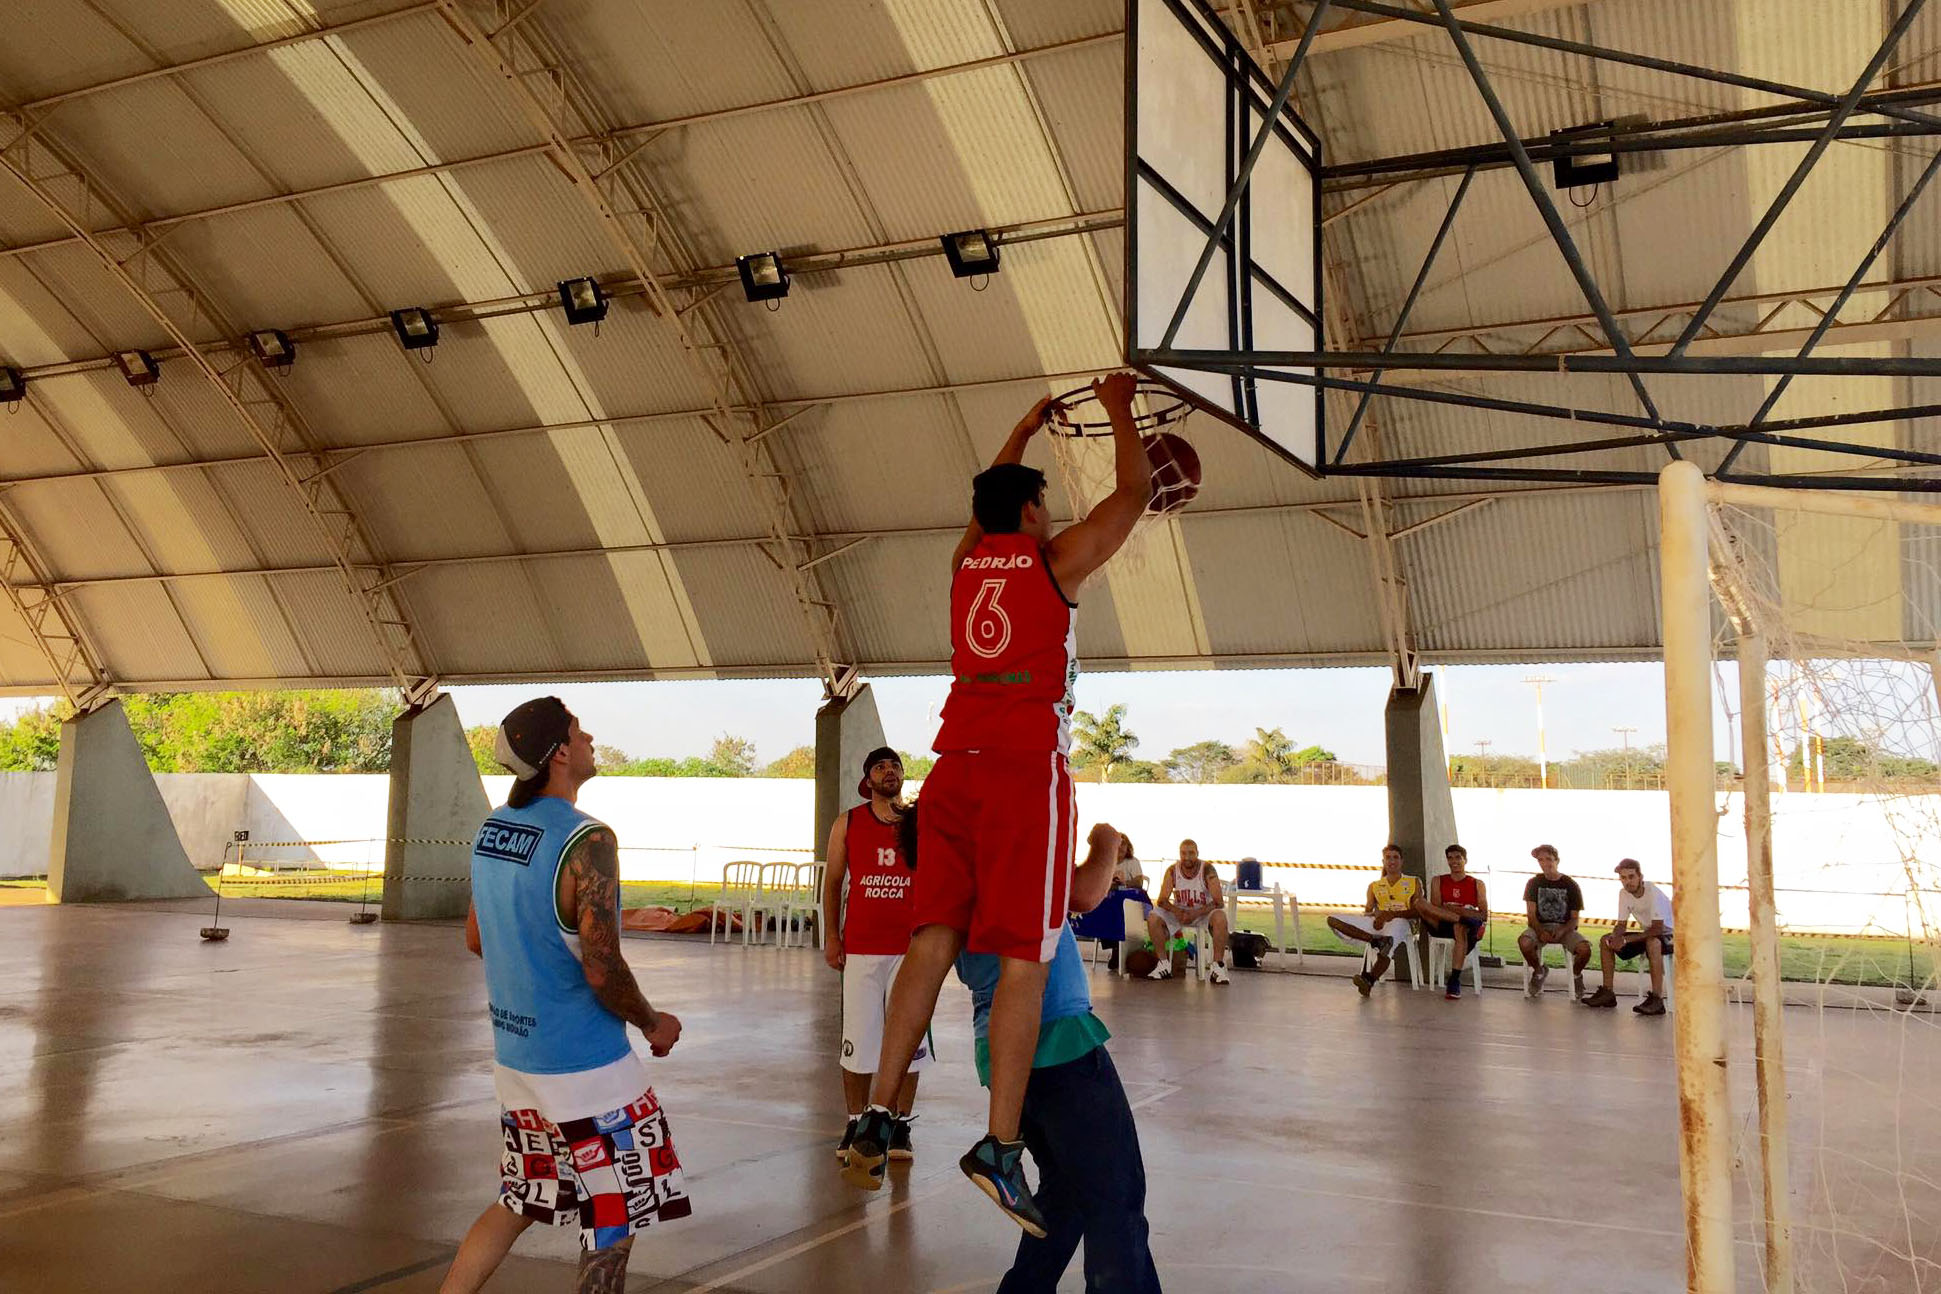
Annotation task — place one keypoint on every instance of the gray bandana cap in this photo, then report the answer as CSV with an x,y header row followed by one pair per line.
x,y
530,734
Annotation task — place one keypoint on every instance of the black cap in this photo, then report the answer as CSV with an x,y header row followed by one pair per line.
x,y
879,754
530,734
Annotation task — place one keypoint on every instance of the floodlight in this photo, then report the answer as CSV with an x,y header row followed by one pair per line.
x,y
1570,171
583,301
13,385
971,253
273,348
762,276
138,367
415,327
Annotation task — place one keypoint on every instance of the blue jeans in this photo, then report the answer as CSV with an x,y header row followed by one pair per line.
x,y
1091,1182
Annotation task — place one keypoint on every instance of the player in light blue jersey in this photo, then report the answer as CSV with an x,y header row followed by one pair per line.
x,y
585,1139
1076,1121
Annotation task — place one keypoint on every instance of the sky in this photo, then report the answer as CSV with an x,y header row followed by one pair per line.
x,y
1340,709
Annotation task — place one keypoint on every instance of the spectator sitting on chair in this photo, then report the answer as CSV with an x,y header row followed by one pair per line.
x,y
1385,919
1645,904
1457,909
1189,899
1552,902
1126,873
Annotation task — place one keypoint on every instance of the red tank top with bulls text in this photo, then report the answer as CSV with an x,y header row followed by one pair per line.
x,y
1013,651
881,890
1460,893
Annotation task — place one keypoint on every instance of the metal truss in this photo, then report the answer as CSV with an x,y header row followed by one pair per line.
x,y
507,41
72,663
167,294
1690,338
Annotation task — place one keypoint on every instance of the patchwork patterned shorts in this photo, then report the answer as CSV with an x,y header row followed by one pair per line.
x,y
614,1174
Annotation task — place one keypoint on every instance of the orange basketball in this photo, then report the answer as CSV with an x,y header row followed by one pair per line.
x,y
1175,472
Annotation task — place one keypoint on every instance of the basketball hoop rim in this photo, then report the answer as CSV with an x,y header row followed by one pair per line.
x,y
1166,408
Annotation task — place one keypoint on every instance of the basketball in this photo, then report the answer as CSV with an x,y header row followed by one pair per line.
x,y
1175,472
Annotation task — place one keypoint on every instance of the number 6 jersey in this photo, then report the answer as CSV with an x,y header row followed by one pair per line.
x,y
1013,651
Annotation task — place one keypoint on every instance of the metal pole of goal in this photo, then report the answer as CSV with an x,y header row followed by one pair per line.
x,y
1768,1043
1704,1111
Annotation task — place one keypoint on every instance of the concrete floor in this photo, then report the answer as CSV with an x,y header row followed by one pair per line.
x,y
308,1107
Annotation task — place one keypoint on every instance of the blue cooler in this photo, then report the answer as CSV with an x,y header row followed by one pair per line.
x,y
1247,875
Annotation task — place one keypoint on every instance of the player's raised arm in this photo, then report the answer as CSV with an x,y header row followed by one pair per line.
x,y
1087,545
1012,452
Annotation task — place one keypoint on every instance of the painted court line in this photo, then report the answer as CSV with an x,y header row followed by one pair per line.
x,y
837,1233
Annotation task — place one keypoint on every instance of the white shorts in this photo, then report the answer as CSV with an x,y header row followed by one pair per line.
x,y
866,980
1396,927
1174,925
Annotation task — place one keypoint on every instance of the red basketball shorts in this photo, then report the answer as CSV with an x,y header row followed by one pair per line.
x,y
995,836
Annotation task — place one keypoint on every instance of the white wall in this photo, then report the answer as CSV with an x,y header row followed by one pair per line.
x,y
1834,853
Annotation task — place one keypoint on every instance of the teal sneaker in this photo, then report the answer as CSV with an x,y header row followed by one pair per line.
x,y
997,1169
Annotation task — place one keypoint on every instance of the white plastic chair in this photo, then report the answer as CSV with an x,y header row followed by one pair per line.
x,y
1405,950
1283,900
1440,953
1134,917
804,896
741,892
777,887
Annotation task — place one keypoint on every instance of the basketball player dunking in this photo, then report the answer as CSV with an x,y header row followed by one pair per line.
x,y
995,826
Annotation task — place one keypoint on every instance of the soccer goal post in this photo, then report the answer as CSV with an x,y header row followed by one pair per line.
x,y
1824,603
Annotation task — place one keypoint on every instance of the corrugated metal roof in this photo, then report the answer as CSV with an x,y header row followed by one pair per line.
x,y
1250,574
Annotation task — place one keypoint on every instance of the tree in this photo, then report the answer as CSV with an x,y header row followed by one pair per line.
x,y
1138,770
1201,762
481,740
732,756
1103,740
916,767
799,762
1272,753
1612,768
264,732
32,742
609,758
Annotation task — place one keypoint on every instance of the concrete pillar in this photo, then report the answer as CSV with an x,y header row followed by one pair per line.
x,y
1421,812
113,840
845,732
436,795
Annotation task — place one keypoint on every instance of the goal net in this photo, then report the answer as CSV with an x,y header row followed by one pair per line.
x,y
1803,708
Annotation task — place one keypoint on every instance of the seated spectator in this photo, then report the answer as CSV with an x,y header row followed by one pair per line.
x,y
1642,904
1385,918
1189,899
1127,874
1552,902
1457,909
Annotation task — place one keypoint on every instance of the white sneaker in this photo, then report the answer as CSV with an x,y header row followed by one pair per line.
x,y
1162,971
1217,973
1538,974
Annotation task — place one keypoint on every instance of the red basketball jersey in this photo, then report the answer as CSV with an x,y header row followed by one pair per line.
x,y
1459,893
882,891
1013,651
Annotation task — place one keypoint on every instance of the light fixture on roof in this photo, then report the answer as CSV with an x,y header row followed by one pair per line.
x,y
13,386
1571,171
138,367
415,327
762,277
971,253
273,348
583,300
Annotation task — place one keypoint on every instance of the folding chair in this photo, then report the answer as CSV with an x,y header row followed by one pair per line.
x,y
805,897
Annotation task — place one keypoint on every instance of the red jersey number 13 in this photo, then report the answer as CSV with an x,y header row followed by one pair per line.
x,y
987,630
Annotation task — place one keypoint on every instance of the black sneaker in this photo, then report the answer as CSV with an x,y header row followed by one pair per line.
x,y
1453,988
901,1151
869,1149
848,1135
1652,1005
997,1169
1363,984
1602,997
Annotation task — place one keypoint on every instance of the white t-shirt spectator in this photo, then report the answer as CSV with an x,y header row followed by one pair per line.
x,y
1643,909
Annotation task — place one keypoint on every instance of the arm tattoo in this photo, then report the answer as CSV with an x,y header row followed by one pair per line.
x,y
604,1271
595,868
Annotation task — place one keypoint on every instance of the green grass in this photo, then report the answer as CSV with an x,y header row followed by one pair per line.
x,y
1804,958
